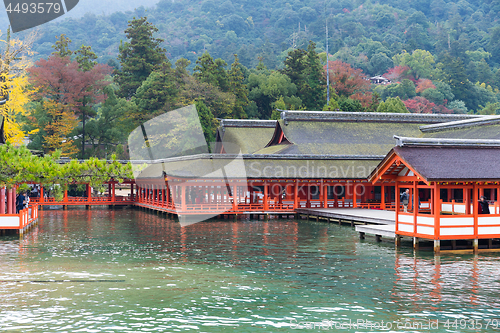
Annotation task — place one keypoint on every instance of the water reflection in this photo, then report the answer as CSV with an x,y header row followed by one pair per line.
x,y
426,283
248,275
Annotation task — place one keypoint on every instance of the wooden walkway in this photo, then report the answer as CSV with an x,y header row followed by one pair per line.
x,y
368,221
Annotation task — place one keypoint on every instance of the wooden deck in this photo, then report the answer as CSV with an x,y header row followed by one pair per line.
x,y
368,221
356,215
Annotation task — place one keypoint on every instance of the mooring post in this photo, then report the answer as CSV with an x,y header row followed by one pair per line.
x,y
437,246
475,245
397,241
361,235
415,243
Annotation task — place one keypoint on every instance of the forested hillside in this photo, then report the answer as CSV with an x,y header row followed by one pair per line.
x,y
269,28
246,59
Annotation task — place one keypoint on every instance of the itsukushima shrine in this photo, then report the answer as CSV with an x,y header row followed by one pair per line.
x,y
330,160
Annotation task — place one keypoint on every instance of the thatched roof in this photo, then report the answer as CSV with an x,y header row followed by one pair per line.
x,y
248,136
207,166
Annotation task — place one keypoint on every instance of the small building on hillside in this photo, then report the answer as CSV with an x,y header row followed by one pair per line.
x,y
379,80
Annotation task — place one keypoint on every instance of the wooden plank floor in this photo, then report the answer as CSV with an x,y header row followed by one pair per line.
x,y
367,216
378,230
376,222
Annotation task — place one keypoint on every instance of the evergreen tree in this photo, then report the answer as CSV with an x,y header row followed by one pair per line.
x,y
314,89
238,89
86,58
393,105
112,124
139,57
157,93
86,63
212,72
61,46
454,73
207,120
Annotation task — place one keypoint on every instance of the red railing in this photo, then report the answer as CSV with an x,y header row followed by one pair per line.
x,y
21,220
85,200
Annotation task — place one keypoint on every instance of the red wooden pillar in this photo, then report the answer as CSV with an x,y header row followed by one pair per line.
x,y
89,194
382,196
235,197
42,196
109,191
467,202
113,189
266,199
415,205
449,195
183,197
308,202
397,207
167,196
282,190
2,200
436,204
11,201
475,207
325,196
296,195
354,196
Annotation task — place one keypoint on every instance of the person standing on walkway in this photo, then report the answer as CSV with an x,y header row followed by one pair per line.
x,y
20,202
485,209
405,199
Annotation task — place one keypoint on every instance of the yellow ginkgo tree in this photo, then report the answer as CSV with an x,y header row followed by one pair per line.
x,y
14,59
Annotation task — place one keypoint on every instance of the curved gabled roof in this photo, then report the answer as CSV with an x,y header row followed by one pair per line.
x,y
247,136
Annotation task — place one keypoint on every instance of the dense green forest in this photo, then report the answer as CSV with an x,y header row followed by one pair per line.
x,y
242,59
270,28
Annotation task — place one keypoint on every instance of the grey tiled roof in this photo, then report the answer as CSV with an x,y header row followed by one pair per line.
x,y
289,115
453,163
461,124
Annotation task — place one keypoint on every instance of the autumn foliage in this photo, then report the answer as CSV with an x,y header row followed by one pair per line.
x,y
397,73
423,84
347,80
62,89
59,78
420,104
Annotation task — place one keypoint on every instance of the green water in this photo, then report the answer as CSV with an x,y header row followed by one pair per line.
x,y
133,271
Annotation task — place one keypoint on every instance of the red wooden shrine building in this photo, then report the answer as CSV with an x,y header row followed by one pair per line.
x,y
315,159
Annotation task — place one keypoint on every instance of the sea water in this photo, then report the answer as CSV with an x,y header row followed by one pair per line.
x,y
129,270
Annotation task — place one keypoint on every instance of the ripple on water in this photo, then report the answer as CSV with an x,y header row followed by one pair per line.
x,y
131,271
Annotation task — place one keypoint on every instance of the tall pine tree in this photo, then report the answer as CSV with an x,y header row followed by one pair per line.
x,y
139,57
238,89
